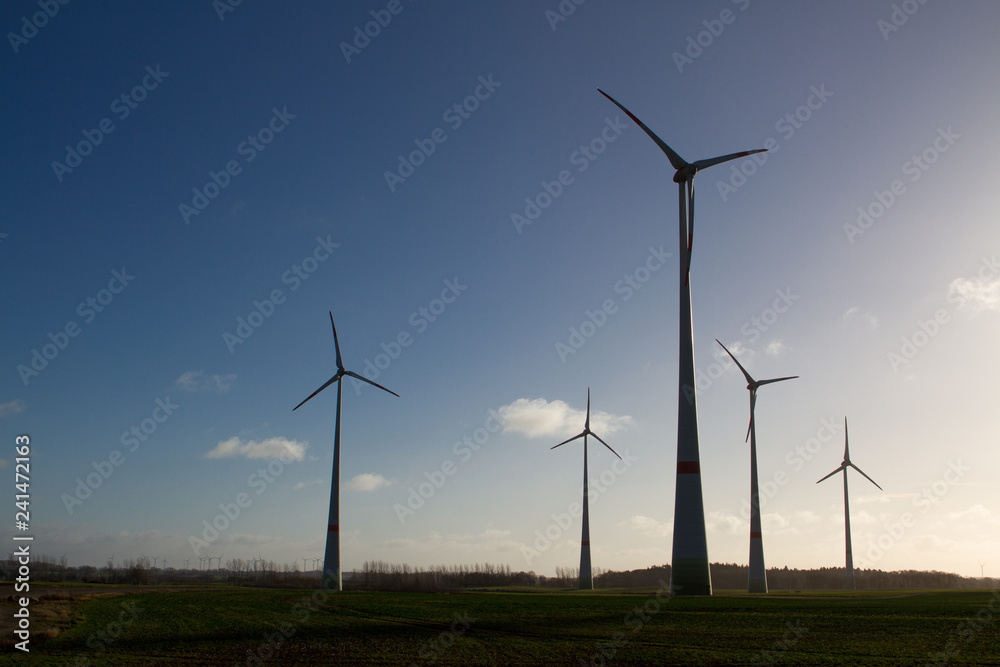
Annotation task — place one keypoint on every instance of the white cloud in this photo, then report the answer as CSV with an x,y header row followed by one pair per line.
x,y
271,448
539,418
197,382
11,407
726,522
975,294
867,317
739,350
367,482
776,347
648,526
302,485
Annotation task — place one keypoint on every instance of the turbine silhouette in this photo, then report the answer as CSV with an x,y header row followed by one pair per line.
x,y
331,568
689,573
757,580
845,464
586,580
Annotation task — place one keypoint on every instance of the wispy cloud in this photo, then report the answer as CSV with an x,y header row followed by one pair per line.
x,y
367,482
538,418
271,448
975,294
776,347
11,407
648,526
196,382
856,312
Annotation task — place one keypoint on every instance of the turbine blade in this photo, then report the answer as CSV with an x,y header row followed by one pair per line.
x,y
847,455
711,162
833,473
374,384
570,440
586,425
328,383
675,160
336,344
866,476
792,377
606,445
753,405
745,374
690,189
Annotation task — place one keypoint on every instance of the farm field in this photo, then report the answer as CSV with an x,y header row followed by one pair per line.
x,y
508,627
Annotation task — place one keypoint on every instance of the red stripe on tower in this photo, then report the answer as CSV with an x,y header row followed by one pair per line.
x,y
585,543
333,529
754,534
688,468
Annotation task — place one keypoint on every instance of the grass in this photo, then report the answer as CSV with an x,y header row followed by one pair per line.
x,y
179,626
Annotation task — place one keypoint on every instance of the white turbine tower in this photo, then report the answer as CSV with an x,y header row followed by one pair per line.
x,y
757,580
586,581
847,508
689,573
331,567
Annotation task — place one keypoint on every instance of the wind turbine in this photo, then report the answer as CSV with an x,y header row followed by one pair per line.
x,y
757,581
847,508
331,568
689,574
586,580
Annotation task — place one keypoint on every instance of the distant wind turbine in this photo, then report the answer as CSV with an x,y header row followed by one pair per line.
x,y
847,508
586,581
757,581
331,567
689,574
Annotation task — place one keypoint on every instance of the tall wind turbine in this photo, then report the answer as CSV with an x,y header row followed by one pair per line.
x,y
586,581
847,508
331,566
757,581
689,573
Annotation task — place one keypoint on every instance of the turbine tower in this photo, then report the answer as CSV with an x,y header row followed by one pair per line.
x,y
586,581
847,508
331,577
757,580
689,572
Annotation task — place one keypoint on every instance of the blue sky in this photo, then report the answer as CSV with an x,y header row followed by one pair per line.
x,y
860,255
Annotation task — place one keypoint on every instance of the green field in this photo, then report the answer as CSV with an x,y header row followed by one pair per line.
x,y
514,627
